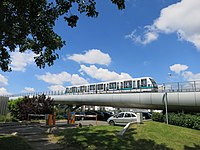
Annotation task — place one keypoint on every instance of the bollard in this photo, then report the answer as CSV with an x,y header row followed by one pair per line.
x,y
139,118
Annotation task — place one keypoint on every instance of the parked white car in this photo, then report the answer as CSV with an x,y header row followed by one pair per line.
x,y
122,118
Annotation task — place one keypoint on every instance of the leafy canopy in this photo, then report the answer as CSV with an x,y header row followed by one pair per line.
x,y
28,25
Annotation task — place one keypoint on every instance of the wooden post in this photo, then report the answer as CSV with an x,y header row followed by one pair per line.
x,y
68,117
50,120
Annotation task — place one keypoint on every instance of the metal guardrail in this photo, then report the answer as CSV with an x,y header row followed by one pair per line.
x,y
189,86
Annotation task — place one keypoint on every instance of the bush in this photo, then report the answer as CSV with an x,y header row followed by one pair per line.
x,y
157,117
5,118
179,119
2,118
60,117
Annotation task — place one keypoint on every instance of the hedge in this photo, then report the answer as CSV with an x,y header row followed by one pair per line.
x,y
179,119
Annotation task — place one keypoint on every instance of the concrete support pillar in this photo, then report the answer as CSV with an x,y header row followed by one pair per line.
x,y
139,118
83,108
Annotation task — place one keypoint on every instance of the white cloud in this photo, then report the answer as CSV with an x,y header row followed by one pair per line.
x,y
189,76
21,60
56,88
148,36
103,74
93,56
61,78
76,80
28,89
177,68
182,18
3,80
3,91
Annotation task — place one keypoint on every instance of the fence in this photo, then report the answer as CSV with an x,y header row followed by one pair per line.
x,y
3,105
187,86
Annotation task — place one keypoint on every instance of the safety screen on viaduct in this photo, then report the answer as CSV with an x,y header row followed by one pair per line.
x,y
3,105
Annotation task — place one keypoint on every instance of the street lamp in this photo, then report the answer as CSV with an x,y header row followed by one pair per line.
x,y
170,79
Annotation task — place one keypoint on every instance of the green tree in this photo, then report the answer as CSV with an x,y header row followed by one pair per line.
x,y
13,107
28,25
21,107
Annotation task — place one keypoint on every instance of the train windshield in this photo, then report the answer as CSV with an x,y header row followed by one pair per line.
x,y
154,83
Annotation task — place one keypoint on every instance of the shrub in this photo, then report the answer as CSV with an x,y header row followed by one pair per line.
x,y
179,119
60,117
5,118
157,117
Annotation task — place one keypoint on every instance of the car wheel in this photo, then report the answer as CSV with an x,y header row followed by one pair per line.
x,y
112,123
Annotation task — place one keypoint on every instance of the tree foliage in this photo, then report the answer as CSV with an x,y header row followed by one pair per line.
x,y
28,25
21,107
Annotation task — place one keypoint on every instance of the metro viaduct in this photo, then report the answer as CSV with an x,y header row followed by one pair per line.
x,y
174,101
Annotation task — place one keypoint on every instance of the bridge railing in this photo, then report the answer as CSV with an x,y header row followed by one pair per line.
x,y
189,86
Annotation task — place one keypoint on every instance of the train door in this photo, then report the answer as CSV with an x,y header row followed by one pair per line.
x,y
134,85
121,85
117,85
104,87
138,84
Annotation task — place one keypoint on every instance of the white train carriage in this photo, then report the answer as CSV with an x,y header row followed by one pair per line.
x,y
144,84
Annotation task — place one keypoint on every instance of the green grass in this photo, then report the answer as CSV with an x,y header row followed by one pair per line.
x,y
9,142
147,136
174,137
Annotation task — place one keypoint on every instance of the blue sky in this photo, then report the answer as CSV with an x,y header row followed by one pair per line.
x,y
148,38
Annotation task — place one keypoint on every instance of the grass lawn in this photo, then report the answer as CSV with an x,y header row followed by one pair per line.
x,y
9,142
147,136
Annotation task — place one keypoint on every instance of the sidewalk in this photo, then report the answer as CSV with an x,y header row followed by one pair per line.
x,y
37,134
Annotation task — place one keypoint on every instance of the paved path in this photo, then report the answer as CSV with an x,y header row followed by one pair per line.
x,y
37,134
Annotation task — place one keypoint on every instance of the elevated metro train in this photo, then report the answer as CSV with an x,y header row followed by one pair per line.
x,y
143,84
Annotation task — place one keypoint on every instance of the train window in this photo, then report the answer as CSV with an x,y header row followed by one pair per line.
x,y
67,90
77,89
112,85
99,86
92,87
74,89
143,82
154,83
82,88
128,84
